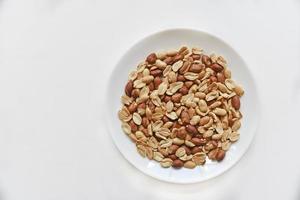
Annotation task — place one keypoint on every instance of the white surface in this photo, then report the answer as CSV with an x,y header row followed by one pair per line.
x,y
55,58
169,40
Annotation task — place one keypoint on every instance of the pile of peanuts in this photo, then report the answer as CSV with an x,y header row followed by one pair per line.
x,y
181,108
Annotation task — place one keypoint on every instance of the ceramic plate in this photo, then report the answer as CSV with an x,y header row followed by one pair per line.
x,y
168,40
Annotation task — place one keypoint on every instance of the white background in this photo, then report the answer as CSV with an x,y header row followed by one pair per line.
x,y
55,60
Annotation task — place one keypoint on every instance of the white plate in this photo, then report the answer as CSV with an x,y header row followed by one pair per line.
x,y
173,39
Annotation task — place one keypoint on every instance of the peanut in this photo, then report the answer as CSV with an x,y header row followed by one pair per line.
x,y
216,67
169,60
196,150
173,148
221,78
132,107
197,141
189,164
220,155
135,93
204,120
206,60
157,81
185,118
128,88
184,90
176,97
177,163
189,84
213,79
196,68
156,72
181,134
235,101
185,67
196,57
133,126
191,129
180,78
172,157
151,58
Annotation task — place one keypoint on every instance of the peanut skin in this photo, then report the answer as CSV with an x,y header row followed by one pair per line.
x,y
128,88
151,58
177,164
235,102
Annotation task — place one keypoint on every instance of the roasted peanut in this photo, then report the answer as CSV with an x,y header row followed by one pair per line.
x,y
206,60
220,155
196,68
191,129
177,163
235,101
216,67
176,97
151,58
221,77
196,150
181,134
129,88
156,72
196,141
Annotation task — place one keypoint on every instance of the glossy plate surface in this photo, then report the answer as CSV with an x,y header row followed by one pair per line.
x,y
168,40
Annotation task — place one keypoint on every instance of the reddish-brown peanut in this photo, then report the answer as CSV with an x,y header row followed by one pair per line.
x,y
129,88
181,134
187,150
220,155
135,93
191,129
176,97
156,72
216,67
157,81
133,126
196,141
206,60
213,79
196,68
172,157
221,77
151,58
235,102
173,148
169,60
196,150
177,57
132,107
180,78
185,118
177,164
